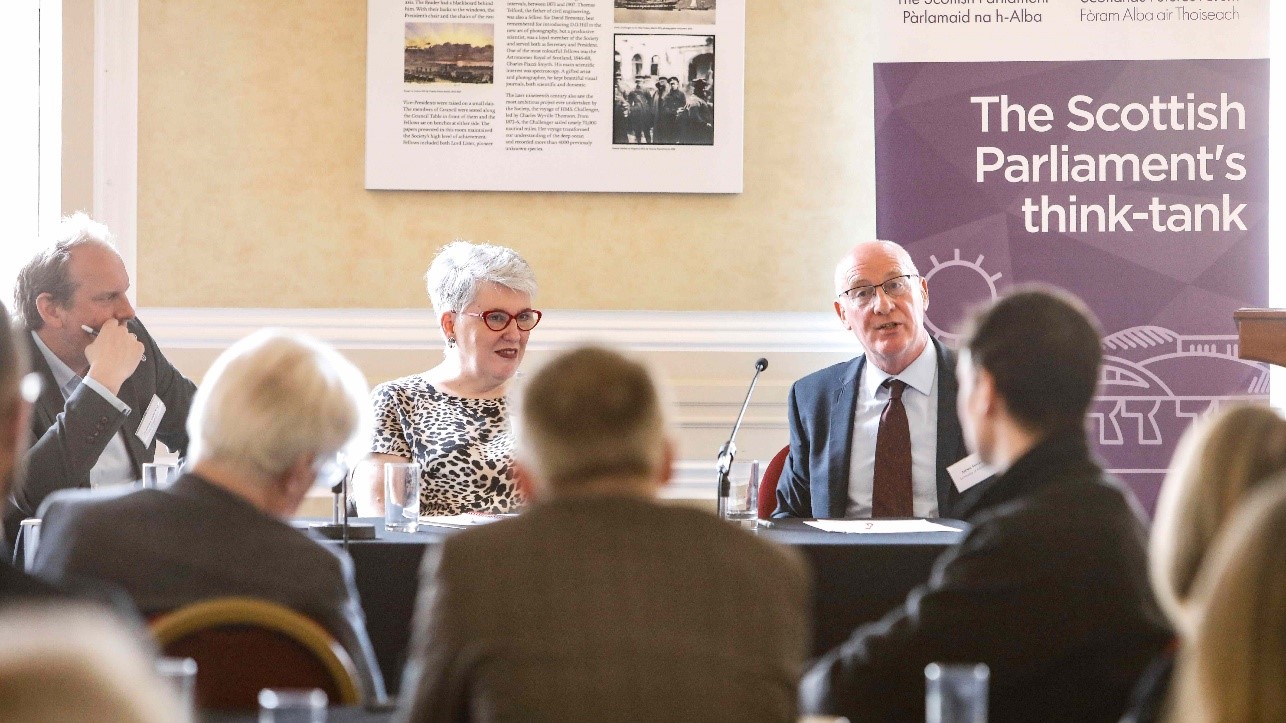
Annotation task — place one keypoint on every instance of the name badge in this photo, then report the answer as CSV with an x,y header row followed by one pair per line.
x,y
969,471
151,420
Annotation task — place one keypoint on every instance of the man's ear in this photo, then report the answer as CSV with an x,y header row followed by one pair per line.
x,y
985,392
839,311
667,463
50,311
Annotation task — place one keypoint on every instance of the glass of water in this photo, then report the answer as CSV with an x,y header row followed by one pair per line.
x,y
743,494
956,692
292,705
401,496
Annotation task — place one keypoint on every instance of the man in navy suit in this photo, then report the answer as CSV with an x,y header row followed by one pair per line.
x,y
108,394
835,413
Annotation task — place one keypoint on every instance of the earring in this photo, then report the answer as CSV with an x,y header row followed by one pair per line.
x,y
450,342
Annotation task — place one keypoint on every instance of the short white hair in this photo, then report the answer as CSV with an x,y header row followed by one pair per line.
x,y
453,277
275,396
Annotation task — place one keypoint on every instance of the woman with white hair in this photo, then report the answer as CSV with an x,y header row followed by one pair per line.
x,y
454,418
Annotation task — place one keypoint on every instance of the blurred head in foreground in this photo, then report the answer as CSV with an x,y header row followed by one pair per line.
x,y
592,421
273,413
1232,668
1028,369
14,407
76,664
1219,461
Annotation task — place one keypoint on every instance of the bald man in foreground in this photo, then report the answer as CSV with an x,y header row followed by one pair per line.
x,y
600,603
873,436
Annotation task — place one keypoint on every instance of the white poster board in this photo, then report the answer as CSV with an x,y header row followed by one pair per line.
x,y
555,95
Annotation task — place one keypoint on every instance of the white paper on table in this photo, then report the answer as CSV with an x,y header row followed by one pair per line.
x,y
878,526
467,519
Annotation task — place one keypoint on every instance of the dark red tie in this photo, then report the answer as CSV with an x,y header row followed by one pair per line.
x,y
892,493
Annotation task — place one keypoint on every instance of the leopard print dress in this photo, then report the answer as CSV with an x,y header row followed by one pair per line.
x,y
464,446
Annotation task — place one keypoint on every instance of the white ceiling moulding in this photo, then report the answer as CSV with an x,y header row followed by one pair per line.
x,y
750,332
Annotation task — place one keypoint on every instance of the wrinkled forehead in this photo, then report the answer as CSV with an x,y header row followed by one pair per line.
x,y
872,263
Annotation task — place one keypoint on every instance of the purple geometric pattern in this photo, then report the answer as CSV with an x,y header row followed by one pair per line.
x,y
1164,299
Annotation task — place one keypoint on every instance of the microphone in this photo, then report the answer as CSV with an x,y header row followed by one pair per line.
x,y
729,449
339,528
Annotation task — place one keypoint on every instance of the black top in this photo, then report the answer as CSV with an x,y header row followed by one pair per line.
x,y
1049,588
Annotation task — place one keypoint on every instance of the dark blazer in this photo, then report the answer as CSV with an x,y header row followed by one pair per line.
x,y
71,434
1049,588
607,609
17,586
822,405
195,541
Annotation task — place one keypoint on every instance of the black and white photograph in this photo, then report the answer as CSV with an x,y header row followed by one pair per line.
x,y
671,12
664,90
445,53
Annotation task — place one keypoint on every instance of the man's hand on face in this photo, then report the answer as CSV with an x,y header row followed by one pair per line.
x,y
113,355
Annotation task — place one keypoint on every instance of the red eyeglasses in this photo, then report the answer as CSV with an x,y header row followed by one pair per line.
x,y
498,319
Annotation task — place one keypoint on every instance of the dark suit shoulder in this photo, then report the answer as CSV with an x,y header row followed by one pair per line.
x,y
828,377
17,586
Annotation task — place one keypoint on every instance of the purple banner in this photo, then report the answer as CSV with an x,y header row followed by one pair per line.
x,y
1140,186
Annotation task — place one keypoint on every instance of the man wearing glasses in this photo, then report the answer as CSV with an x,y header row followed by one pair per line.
x,y
873,436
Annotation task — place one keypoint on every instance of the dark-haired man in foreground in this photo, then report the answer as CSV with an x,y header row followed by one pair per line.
x,y
1049,588
599,603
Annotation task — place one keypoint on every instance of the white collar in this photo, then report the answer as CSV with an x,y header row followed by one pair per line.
x,y
920,375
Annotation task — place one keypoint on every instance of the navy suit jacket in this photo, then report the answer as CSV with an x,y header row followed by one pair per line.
x,y
814,482
71,434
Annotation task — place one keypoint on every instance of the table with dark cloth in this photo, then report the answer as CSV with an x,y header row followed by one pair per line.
x,y
341,714
858,578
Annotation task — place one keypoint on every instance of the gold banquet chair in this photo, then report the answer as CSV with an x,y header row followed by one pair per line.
x,y
242,645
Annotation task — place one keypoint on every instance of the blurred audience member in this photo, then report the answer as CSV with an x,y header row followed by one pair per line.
x,y
454,418
74,664
108,392
273,414
1049,586
1218,462
1232,667
18,389
599,603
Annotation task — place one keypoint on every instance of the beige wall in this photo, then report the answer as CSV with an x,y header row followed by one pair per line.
x,y
251,123
78,106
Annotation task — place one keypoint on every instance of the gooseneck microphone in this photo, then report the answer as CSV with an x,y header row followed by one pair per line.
x,y
729,449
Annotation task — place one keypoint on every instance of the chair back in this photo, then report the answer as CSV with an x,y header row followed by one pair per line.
x,y
242,645
768,483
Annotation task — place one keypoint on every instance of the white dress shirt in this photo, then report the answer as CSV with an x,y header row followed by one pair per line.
x,y
113,466
921,401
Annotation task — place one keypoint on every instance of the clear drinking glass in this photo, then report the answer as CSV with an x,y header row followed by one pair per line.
x,y
292,705
956,692
180,673
159,475
30,542
743,494
401,496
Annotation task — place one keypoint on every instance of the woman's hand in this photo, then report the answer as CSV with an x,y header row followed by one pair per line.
x,y
368,483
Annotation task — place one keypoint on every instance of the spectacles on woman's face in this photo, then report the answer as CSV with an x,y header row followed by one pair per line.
x,y
498,319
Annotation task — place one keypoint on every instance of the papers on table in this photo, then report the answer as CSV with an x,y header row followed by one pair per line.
x,y
467,519
878,526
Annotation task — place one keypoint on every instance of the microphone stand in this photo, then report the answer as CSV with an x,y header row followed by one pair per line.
x,y
728,451
339,528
